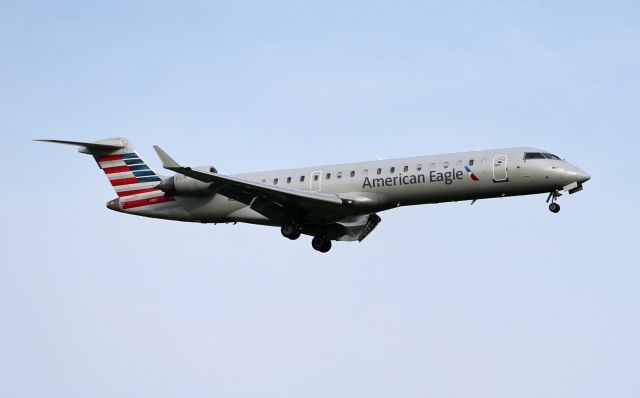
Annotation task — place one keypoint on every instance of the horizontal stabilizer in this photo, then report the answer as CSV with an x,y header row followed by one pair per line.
x,y
90,145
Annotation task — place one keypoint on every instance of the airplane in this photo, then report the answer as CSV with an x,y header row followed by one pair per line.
x,y
329,203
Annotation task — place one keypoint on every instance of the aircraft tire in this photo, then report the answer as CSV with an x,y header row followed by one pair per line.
x,y
554,208
291,231
326,247
321,244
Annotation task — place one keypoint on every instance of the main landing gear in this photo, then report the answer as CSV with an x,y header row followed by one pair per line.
x,y
291,231
321,243
553,197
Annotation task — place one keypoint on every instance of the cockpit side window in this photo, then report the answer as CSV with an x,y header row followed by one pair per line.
x,y
551,156
533,155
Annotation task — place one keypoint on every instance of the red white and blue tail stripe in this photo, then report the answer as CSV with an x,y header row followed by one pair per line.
x,y
129,175
133,181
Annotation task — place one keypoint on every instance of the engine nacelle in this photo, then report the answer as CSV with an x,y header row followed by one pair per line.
x,y
182,185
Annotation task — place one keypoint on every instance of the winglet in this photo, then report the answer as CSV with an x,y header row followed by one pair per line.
x,y
167,162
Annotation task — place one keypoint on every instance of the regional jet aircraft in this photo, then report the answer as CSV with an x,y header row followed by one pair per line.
x,y
329,203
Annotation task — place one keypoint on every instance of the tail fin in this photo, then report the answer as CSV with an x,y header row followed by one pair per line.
x,y
128,174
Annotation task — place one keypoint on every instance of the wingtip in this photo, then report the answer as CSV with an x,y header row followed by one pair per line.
x,y
167,161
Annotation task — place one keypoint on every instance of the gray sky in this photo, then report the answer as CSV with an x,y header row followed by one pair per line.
x,y
501,299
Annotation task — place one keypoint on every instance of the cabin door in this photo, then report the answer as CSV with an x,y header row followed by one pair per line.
x,y
500,168
315,181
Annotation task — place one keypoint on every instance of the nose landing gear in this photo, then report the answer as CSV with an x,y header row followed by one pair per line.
x,y
553,197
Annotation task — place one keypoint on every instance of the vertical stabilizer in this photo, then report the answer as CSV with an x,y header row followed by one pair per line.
x,y
131,178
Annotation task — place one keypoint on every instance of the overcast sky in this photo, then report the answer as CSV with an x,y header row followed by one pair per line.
x,y
502,299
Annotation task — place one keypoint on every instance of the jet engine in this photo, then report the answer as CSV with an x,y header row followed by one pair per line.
x,y
182,185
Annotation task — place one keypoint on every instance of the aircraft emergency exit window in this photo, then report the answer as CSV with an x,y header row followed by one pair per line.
x,y
393,170
339,175
406,168
533,155
288,180
551,156
275,181
328,176
315,177
471,162
353,173
419,168
301,178
379,171
446,165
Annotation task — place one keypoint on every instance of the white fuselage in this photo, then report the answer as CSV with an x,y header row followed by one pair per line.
x,y
384,184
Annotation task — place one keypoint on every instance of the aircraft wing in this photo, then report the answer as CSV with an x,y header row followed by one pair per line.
x,y
276,203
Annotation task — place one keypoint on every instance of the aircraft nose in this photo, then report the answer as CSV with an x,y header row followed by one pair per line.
x,y
582,176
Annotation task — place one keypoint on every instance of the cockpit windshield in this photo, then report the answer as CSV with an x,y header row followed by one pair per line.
x,y
551,156
540,155
533,155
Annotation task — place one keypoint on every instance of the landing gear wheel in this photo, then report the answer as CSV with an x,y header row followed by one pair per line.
x,y
291,231
553,196
321,243
554,207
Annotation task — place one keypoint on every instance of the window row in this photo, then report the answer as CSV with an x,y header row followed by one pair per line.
x,y
365,172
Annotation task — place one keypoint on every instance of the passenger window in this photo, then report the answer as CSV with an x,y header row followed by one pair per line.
x,y
301,178
419,168
379,171
406,168
339,175
446,165
328,176
275,181
353,173
393,170
471,162
288,180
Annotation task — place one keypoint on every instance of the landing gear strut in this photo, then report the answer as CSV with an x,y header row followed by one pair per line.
x,y
291,231
553,197
321,243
